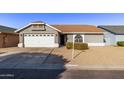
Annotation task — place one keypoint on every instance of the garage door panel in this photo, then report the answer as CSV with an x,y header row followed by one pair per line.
x,y
39,41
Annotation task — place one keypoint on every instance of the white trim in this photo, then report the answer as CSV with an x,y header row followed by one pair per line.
x,y
83,38
37,23
20,45
73,47
73,37
85,32
22,27
53,45
54,28
96,44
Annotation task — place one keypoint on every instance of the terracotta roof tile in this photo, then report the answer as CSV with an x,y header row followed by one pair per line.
x,y
77,28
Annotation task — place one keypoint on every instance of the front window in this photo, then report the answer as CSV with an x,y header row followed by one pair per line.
x,y
78,38
38,27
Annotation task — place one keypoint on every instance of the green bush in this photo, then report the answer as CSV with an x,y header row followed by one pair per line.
x,y
78,46
69,45
120,43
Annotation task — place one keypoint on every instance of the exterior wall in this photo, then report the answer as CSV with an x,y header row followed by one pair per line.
x,y
11,40
29,30
110,39
20,38
8,40
119,38
1,41
94,40
69,38
91,39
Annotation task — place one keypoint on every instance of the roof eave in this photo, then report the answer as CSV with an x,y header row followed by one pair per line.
x,y
54,28
83,32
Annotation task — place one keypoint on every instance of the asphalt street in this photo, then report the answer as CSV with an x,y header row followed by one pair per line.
x,y
60,74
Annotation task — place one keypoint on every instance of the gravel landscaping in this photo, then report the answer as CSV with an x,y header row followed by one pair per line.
x,y
107,55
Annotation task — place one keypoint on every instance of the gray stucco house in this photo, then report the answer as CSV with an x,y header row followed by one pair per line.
x,y
113,34
40,34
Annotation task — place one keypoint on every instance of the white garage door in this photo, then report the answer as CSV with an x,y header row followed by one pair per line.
x,y
39,40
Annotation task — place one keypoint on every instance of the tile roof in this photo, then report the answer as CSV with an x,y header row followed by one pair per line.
x,y
6,29
115,29
77,28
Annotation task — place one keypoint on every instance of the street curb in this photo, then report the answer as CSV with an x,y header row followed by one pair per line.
x,y
96,67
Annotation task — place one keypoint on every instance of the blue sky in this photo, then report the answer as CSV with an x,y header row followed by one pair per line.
x,y
18,20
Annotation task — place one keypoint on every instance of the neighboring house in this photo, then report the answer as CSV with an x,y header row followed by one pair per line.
x,y
113,34
40,34
8,37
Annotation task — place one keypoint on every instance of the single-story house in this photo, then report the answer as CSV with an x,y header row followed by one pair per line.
x,y
8,37
113,34
40,34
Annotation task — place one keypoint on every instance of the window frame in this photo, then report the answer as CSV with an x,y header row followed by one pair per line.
x,y
78,38
38,28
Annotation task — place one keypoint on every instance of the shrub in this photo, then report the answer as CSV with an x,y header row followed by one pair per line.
x,y
69,45
120,43
78,46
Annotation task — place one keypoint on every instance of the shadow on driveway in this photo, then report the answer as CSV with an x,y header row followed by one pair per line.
x,y
27,66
